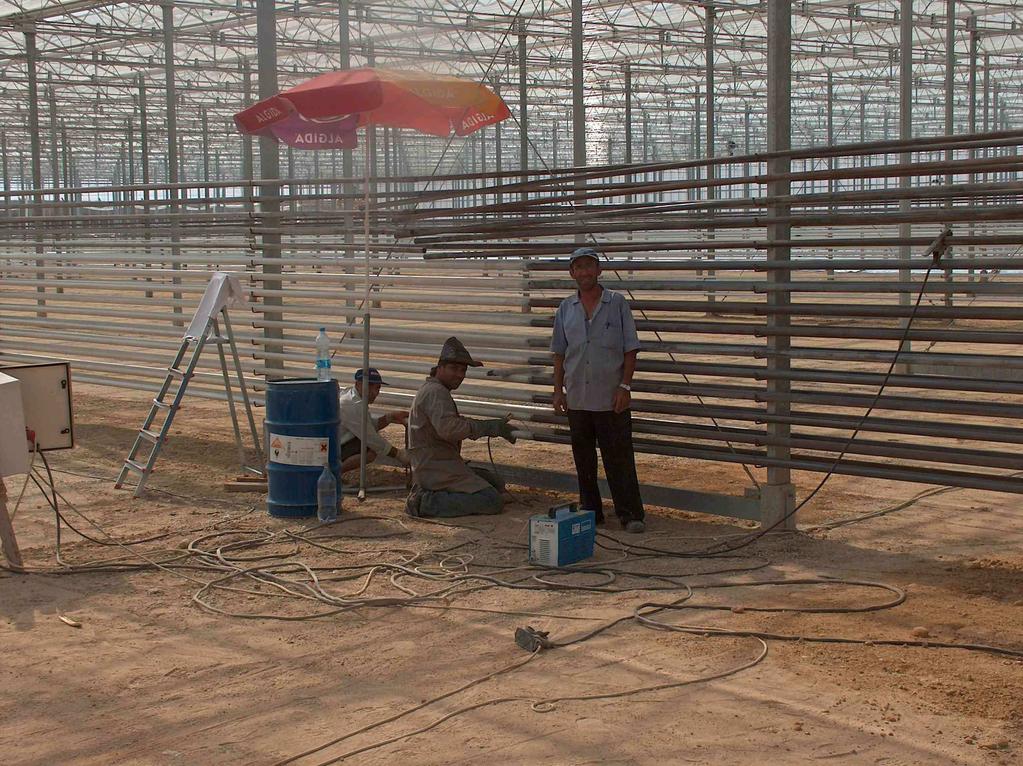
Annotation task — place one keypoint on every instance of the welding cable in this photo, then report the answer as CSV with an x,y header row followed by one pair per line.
x,y
397,716
550,704
539,706
168,566
936,249
829,525
712,631
118,563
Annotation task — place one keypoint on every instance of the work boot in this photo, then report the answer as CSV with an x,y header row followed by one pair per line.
x,y
636,527
412,501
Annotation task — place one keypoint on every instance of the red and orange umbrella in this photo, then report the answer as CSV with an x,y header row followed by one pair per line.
x,y
325,111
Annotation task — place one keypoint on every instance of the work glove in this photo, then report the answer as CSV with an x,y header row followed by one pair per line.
x,y
396,453
496,427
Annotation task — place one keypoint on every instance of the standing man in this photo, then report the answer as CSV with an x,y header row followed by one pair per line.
x,y
443,484
351,424
595,346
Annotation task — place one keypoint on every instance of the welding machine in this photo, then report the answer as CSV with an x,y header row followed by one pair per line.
x,y
563,536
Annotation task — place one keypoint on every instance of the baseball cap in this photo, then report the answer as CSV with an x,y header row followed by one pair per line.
x,y
374,376
583,252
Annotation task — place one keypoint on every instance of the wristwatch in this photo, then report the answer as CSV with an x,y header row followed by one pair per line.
x,y
626,386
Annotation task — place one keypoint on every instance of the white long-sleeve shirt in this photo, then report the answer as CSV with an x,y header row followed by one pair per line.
x,y
351,423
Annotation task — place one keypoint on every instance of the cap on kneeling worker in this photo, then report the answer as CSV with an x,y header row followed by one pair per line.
x,y
367,383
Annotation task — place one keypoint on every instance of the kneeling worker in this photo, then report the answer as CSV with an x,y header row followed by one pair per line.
x,y
351,424
443,484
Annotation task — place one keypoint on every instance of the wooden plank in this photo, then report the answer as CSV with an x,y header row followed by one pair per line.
x,y
244,486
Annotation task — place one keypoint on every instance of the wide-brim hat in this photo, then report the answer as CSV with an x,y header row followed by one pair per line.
x,y
454,351
583,252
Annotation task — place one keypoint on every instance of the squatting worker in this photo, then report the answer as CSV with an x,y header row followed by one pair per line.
x,y
443,484
351,424
595,346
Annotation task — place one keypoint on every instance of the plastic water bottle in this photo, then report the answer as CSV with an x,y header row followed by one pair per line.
x,y
322,355
326,495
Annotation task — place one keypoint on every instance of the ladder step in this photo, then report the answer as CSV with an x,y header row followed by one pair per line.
x,y
135,466
151,436
177,371
162,405
217,339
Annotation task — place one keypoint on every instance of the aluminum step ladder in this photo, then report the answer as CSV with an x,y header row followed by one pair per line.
x,y
153,433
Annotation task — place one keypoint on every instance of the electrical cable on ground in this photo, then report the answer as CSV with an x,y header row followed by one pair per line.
x,y
384,573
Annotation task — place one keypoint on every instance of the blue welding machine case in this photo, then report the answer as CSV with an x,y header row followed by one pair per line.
x,y
561,537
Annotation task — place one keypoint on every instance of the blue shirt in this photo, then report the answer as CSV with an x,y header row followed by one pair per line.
x,y
594,349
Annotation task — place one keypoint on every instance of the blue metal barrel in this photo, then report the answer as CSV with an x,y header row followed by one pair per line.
x,y
301,426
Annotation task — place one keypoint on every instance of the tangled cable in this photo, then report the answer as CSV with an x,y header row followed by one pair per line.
x,y
316,572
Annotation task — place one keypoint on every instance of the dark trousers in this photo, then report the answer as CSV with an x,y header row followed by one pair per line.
x,y
612,432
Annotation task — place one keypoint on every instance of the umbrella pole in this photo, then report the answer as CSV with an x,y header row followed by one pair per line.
x,y
365,328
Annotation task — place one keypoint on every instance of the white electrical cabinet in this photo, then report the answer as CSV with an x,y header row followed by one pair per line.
x,y
46,401
13,447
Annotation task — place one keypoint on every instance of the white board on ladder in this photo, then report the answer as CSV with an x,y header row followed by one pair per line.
x,y
13,446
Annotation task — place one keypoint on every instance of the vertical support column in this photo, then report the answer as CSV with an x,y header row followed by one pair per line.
x,y
248,160
56,211
523,108
143,135
646,151
628,127
578,104
777,496
269,173
32,64
708,49
831,159
5,169
905,134
498,151
698,147
347,162
172,143
972,127
987,95
204,122
863,135
54,138
950,65
65,161
144,167
746,166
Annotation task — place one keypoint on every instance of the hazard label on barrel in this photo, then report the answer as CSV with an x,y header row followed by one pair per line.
x,y
298,450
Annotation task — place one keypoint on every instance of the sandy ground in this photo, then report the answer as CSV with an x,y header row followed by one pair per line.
x,y
152,678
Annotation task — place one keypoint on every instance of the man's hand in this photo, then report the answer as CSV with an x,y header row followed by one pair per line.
x,y
398,416
560,403
622,400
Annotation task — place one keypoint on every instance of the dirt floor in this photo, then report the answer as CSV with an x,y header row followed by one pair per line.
x,y
146,675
